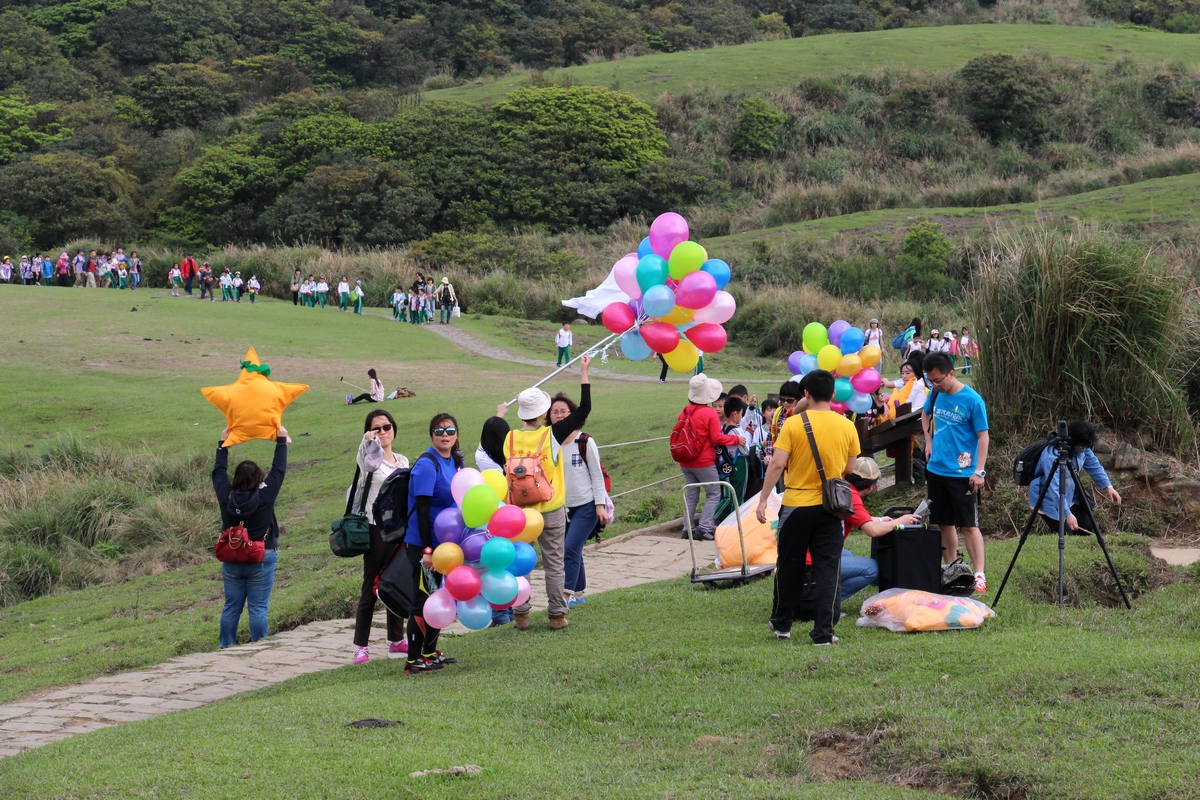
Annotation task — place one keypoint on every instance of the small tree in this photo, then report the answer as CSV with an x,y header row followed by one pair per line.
x,y
756,128
1006,97
923,258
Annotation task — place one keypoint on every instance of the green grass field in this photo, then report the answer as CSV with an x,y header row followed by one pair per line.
x,y
1158,204
764,66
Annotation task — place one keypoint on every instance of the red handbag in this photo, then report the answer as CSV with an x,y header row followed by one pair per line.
x,y
235,547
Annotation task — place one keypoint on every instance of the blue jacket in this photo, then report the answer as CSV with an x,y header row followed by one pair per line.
x,y
1083,460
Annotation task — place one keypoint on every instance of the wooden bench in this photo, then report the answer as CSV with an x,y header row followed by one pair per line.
x,y
898,431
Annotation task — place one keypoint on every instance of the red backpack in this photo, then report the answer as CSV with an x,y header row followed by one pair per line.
x,y
582,439
686,445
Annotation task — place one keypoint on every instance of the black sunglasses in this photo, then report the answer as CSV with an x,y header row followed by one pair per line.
x,y
445,431
383,428
787,400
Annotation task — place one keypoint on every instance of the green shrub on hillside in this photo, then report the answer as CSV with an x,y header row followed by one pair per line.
x,y
756,128
1006,97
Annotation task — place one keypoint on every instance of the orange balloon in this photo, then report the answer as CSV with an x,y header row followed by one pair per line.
x,y
678,315
534,524
849,366
447,556
870,355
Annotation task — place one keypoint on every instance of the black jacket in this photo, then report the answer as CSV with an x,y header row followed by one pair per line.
x,y
255,509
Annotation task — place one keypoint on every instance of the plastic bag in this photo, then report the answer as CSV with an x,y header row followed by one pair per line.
x,y
913,610
456,311
760,537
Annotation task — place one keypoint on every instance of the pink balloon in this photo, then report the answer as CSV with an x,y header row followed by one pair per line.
x,y
463,582
667,231
508,522
708,337
662,337
696,290
866,380
625,274
836,405
440,610
719,310
523,591
462,481
618,317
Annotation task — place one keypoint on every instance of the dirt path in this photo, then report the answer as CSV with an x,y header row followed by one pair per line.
x,y
198,679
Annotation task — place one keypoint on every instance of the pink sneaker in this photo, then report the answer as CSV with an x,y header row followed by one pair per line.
x,y
361,655
398,649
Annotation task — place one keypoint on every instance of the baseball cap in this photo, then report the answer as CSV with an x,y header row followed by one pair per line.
x,y
867,469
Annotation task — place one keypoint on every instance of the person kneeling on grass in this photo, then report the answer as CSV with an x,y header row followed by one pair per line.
x,y
1082,438
249,500
861,571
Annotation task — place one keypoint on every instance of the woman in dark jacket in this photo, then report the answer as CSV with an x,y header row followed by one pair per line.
x,y
249,499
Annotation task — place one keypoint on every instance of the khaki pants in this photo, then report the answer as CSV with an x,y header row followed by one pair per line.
x,y
553,543
91,280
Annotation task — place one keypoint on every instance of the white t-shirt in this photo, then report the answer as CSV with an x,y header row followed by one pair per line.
x,y
875,337
226,280
322,286
563,338
343,288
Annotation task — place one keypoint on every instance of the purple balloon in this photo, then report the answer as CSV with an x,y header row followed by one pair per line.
x,y
836,330
637,308
473,544
448,526
794,362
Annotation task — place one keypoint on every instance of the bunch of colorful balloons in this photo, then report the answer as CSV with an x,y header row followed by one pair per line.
x,y
677,300
842,350
484,551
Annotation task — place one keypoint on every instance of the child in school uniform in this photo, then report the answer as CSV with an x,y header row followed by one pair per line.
x,y
252,287
174,277
307,291
359,294
322,291
399,304
226,286
344,294
238,287
732,464
122,275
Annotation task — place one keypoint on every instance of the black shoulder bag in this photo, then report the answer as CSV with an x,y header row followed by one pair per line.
x,y
352,533
837,498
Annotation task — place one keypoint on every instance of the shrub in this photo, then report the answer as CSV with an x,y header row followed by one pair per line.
x,y
756,128
184,94
1006,97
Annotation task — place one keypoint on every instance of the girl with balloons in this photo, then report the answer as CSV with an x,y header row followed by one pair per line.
x,y
429,493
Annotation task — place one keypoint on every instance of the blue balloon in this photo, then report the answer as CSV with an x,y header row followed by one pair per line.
x,y
634,346
808,362
475,613
859,403
658,300
852,340
499,586
525,560
715,267
644,249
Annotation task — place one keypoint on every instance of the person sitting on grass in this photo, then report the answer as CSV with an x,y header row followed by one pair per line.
x,y
1082,438
374,396
249,499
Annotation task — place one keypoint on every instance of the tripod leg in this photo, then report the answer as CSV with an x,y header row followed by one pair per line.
x,y
1024,535
1100,538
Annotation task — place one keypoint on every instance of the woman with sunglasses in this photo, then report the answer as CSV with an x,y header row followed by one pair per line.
x,y
428,495
376,462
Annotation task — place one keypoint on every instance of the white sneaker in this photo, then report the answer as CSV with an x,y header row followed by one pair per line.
x,y
980,583
834,640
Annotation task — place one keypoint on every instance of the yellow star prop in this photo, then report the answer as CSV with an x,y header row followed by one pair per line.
x,y
253,405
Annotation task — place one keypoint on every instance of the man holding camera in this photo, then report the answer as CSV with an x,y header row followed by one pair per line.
x,y
956,449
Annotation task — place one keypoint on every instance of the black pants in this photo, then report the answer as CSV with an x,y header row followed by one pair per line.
x,y
374,563
808,529
295,298
187,284
361,398
662,376
64,280
422,639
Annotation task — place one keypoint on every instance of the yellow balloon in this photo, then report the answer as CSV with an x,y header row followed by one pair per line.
x,y
870,355
447,556
849,366
533,525
828,357
683,358
678,315
495,479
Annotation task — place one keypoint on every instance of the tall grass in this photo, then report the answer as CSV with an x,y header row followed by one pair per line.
x,y
1088,325
75,515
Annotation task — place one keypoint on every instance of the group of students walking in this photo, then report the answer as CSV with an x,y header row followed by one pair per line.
x,y
112,270
313,292
550,430
417,304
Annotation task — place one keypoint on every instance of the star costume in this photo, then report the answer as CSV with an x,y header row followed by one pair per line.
x,y
253,405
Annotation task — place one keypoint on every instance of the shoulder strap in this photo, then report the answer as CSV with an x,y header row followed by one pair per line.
x,y
933,395
353,489
812,442
542,442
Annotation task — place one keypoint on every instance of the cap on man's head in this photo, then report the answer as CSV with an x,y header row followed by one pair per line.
x,y
867,469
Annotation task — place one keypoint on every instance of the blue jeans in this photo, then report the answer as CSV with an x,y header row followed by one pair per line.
x,y
502,617
857,572
581,521
444,312
247,584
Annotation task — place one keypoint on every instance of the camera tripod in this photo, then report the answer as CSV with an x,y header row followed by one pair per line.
x,y
1063,470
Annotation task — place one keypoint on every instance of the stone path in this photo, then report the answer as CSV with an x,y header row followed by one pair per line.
x,y
198,679
1177,556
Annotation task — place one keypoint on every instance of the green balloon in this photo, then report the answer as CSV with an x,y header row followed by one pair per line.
x,y
478,505
686,258
842,390
498,553
815,337
652,271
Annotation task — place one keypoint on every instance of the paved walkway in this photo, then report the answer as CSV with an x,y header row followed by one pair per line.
x,y
201,678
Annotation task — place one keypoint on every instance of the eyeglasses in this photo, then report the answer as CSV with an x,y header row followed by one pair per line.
x,y
936,381
787,401
383,429
445,431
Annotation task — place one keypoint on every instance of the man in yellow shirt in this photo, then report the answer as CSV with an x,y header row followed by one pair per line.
x,y
804,525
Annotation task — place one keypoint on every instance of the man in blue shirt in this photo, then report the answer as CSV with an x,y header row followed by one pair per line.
x,y
956,448
1081,436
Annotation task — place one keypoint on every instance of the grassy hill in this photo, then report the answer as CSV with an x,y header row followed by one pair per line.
x,y
764,66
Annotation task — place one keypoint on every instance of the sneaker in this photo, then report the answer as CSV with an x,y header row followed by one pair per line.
x,y
779,632
707,536
398,649
575,601
834,640
361,655
349,399
420,665
440,658
980,583
662,380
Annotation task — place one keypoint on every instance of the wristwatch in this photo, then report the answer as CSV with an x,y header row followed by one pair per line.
x,y
981,473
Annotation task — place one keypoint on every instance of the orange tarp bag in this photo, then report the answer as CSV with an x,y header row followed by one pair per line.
x,y
760,537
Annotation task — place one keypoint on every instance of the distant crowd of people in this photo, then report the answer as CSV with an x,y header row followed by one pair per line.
x,y
112,270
